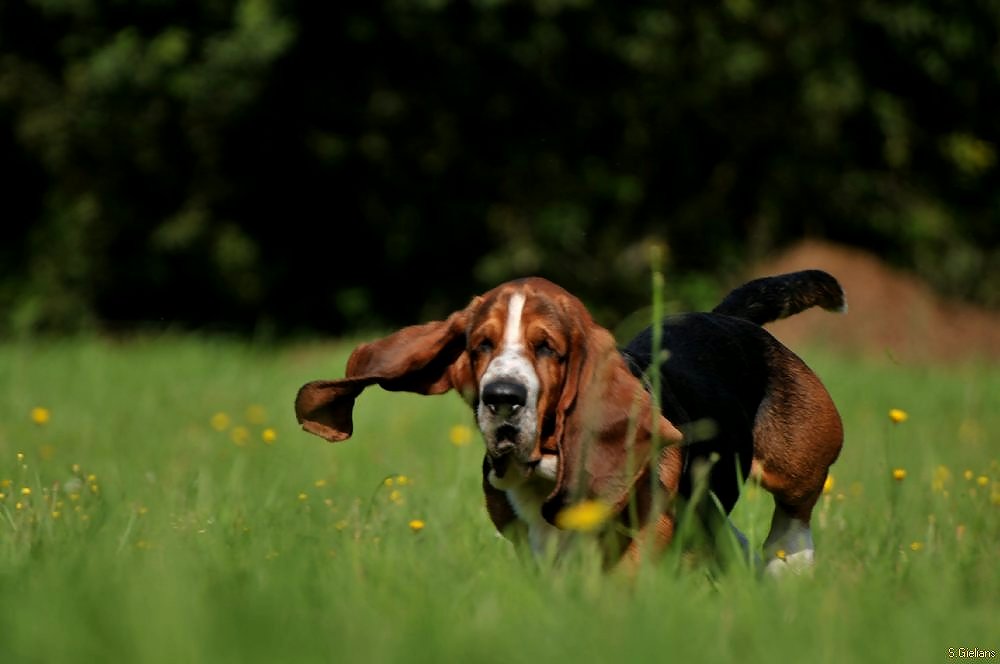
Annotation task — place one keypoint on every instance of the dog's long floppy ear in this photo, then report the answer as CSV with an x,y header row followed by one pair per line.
x,y
426,359
605,428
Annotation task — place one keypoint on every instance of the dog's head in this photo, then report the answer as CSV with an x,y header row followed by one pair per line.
x,y
551,393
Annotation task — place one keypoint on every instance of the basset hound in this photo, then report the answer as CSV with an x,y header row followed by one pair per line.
x,y
567,416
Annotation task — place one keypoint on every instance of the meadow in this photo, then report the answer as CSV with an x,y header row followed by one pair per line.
x,y
158,503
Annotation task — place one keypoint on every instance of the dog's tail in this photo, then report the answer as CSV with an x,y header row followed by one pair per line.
x,y
773,298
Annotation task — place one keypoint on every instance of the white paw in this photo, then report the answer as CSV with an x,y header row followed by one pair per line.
x,y
792,563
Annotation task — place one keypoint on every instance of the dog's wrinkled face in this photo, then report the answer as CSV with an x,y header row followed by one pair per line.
x,y
517,345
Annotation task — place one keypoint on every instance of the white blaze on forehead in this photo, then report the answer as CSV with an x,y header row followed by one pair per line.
x,y
512,331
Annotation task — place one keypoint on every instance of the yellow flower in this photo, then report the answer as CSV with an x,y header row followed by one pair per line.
x,y
20,457
303,496
780,554
319,484
982,480
899,474
829,484
897,415
219,421
402,480
256,414
941,479
389,481
585,516
269,435
40,415
916,546
416,525
240,435
968,474
460,435
26,491
396,497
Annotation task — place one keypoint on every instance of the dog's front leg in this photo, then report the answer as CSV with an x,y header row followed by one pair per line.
x,y
655,536
652,539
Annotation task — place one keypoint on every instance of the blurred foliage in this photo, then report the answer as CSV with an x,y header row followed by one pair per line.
x,y
299,166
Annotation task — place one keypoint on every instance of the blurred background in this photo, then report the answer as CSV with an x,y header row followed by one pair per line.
x,y
275,167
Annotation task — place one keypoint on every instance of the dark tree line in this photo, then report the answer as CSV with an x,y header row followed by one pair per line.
x,y
305,166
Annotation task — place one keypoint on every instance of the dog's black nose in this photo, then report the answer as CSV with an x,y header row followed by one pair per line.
x,y
504,393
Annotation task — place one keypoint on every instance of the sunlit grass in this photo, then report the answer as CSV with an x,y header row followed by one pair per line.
x,y
158,503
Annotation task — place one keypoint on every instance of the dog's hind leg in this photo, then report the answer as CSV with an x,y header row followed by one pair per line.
x,y
789,545
797,436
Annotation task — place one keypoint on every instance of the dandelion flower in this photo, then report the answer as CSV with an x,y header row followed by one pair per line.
x,y
219,421
941,479
898,416
26,491
240,435
416,525
899,474
780,554
402,480
968,474
40,415
256,414
396,497
20,457
319,484
829,484
585,516
269,435
2,495
303,496
982,480
916,546
460,435
389,481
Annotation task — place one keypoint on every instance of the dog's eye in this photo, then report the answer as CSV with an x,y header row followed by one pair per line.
x,y
485,346
543,349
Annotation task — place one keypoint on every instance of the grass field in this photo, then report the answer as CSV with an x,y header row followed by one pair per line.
x,y
160,505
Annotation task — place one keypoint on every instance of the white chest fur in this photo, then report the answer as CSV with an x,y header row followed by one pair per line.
x,y
526,493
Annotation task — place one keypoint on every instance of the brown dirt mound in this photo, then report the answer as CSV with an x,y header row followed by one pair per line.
x,y
889,312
